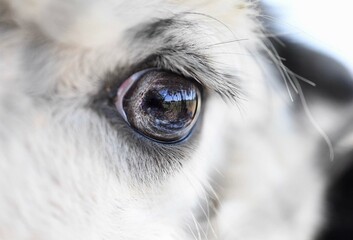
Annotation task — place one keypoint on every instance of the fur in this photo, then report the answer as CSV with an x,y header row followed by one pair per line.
x,y
70,168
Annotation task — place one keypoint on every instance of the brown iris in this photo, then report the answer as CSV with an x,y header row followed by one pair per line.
x,y
161,105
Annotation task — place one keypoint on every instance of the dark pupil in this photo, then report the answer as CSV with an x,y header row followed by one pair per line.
x,y
163,106
171,108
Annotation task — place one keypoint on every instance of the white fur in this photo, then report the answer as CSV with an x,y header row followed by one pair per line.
x,y
64,171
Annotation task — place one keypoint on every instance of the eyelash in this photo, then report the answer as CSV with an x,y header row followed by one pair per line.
x,y
106,104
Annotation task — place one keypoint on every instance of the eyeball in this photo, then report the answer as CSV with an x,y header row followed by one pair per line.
x,y
160,105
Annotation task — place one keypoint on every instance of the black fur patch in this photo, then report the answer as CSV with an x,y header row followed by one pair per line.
x,y
340,205
335,84
333,81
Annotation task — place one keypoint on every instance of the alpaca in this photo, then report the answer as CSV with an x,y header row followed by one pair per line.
x,y
152,120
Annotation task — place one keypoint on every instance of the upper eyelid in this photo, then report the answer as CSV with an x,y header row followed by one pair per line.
x,y
192,58
185,60
113,80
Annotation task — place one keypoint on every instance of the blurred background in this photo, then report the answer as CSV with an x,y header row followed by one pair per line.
x,y
318,45
324,25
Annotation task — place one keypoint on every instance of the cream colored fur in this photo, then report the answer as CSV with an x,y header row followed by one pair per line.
x,y
64,171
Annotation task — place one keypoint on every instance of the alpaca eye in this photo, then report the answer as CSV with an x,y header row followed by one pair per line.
x,y
160,105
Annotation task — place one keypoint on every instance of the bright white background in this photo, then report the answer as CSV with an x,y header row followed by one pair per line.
x,y
327,25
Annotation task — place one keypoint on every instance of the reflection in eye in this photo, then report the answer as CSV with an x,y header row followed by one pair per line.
x,y
160,105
